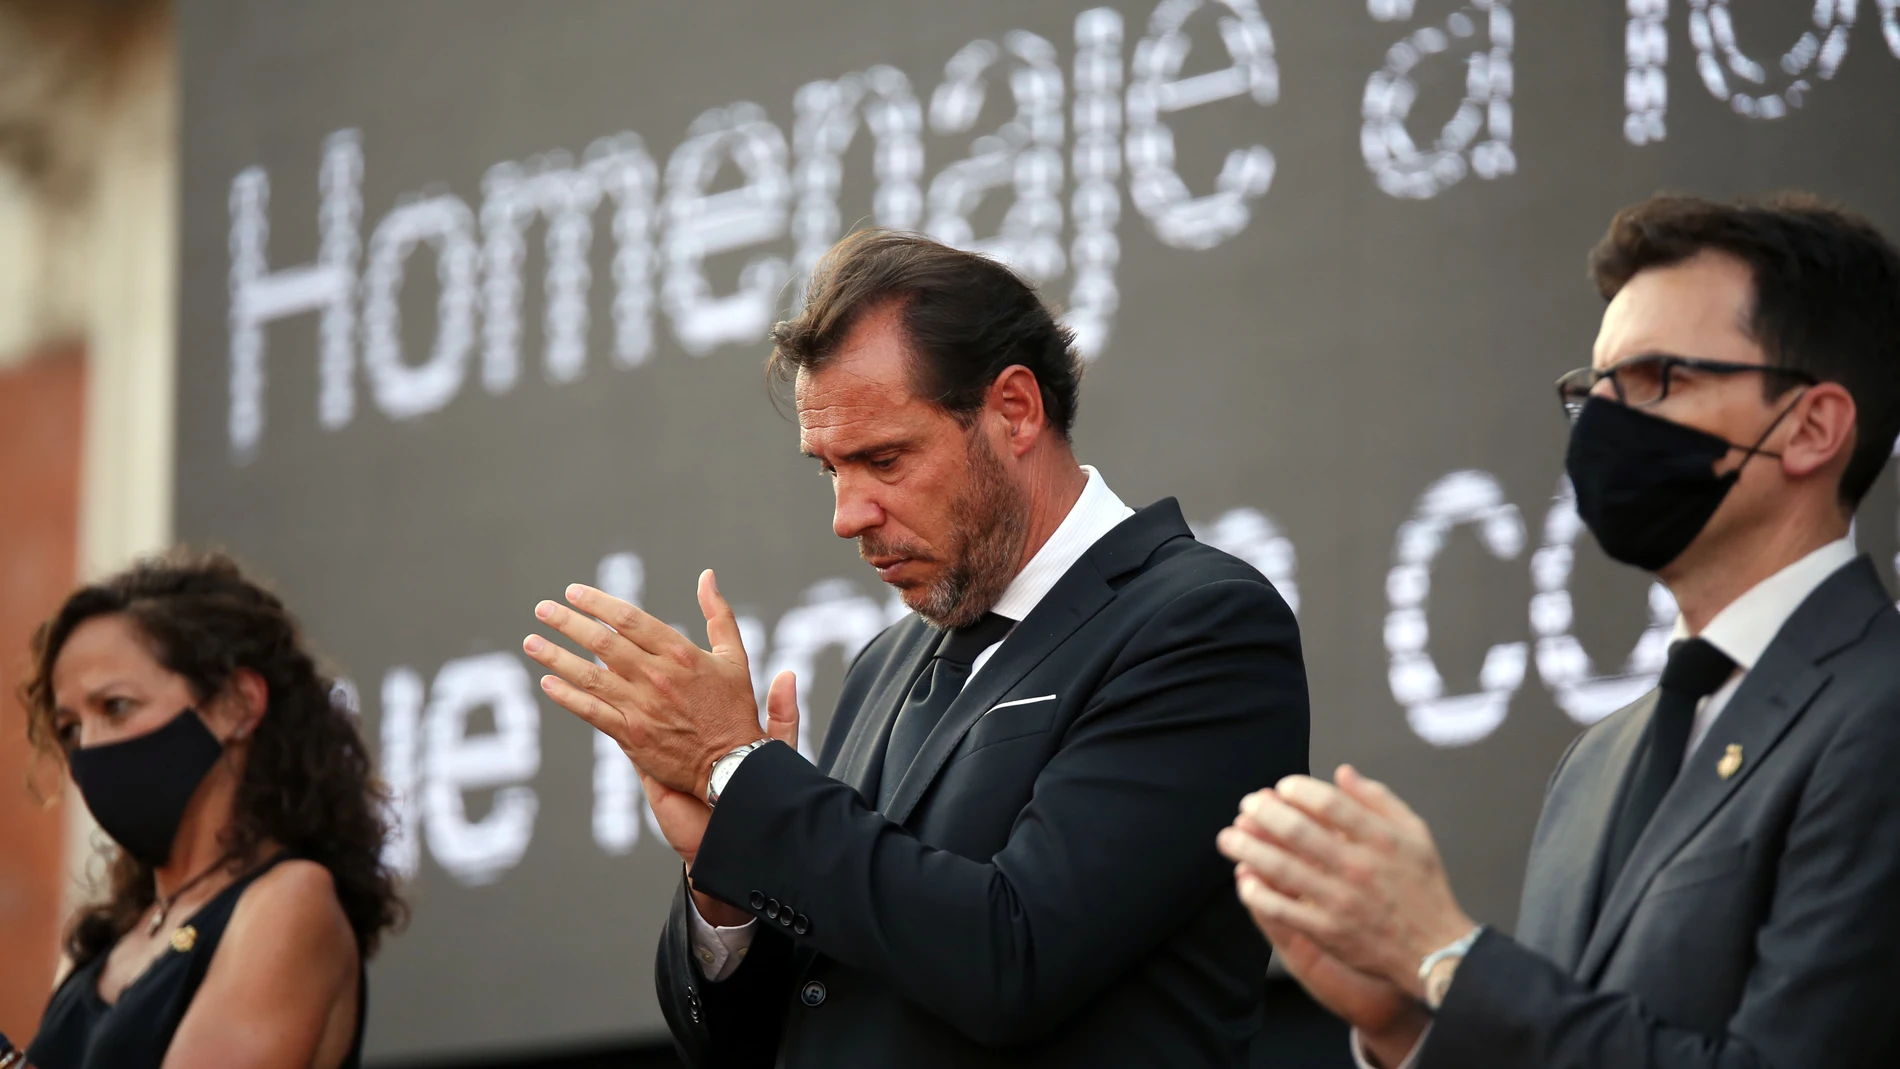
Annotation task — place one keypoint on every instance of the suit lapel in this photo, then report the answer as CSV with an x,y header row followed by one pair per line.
x,y
1771,698
1562,882
1081,592
862,754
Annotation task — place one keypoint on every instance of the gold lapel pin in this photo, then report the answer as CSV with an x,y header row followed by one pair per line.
x,y
184,939
1731,761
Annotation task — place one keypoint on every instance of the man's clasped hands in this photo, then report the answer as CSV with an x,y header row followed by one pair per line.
x,y
672,707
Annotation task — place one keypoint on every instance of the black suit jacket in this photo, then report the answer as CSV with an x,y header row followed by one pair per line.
x,y
1757,921
1044,889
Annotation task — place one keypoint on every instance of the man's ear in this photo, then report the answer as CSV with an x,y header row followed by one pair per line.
x,y
1824,431
1016,396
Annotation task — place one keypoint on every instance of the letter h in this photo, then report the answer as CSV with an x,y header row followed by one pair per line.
x,y
259,296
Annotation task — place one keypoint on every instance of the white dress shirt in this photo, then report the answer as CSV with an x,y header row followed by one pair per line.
x,y
1097,512
1742,630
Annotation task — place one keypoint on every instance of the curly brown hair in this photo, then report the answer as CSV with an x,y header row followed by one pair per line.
x,y
309,783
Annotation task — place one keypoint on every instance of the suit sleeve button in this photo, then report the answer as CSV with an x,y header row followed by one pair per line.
x,y
771,909
812,994
757,900
801,925
785,917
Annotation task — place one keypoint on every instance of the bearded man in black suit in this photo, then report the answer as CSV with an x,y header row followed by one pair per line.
x,y
1003,855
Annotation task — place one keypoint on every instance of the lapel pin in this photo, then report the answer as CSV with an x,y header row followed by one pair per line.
x,y
1731,761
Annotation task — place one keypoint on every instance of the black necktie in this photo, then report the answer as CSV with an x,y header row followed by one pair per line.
x,y
931,697
1696,670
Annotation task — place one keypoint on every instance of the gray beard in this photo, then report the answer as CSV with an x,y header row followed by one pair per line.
x,y
987,546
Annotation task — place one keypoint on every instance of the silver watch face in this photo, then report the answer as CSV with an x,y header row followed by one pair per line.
x,y
722,770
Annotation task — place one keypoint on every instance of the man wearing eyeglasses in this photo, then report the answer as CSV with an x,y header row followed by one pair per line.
x,y
1715,879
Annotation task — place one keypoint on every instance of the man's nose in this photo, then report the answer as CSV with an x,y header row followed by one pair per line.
x,y
856,510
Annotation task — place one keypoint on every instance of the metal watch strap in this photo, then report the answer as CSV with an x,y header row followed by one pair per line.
x,y
1457,948
714,782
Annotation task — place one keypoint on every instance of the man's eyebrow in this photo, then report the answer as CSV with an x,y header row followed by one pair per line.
x,y
866,453
894,445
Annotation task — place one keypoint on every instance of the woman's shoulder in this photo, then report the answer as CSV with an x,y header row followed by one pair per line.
x,y
293,907
295,879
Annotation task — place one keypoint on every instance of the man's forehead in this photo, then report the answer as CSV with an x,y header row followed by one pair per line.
x,y
864,389
837,425
840,394
849,382
1698,308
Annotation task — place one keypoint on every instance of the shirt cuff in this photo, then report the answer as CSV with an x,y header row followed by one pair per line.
x,y
1364,1061
720,951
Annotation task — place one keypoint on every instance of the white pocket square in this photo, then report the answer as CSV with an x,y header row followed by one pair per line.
x,y
1020,701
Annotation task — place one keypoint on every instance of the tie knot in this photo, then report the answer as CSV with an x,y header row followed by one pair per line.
x,y
964,643
1696,668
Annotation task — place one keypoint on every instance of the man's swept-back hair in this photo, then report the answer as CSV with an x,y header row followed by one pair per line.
x,y
966,317
1827,296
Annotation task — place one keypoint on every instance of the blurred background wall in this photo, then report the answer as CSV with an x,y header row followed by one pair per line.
x,y
87,268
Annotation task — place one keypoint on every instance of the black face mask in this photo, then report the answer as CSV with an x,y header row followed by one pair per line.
x,y
138,789
1646,486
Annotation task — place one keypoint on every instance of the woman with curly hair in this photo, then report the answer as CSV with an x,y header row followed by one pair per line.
x,y
247,888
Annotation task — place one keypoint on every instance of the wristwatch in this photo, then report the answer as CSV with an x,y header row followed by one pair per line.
x,y
1452,951
724,767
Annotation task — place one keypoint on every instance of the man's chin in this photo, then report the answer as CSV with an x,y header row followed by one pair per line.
x,y
914,593
917,596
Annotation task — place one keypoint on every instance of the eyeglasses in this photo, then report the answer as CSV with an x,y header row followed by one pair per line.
x,y
1645,380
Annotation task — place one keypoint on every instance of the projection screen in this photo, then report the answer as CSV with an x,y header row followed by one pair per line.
x,y
474,300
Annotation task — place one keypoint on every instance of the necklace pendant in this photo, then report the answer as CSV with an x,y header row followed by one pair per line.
x,y
158,920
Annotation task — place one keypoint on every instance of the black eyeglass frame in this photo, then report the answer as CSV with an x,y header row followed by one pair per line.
x,y
1665,363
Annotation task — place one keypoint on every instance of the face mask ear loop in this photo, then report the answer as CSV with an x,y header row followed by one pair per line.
x,y
1753,451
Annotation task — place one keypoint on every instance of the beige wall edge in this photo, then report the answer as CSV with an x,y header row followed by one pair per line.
x,y
126,484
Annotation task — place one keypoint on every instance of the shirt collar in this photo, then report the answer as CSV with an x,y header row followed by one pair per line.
x,y
1748,624
1094,514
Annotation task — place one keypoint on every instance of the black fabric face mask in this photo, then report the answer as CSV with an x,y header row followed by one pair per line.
x,y
138,789
1646,486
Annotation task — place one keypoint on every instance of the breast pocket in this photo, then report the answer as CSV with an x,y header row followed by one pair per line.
x,y
1701,867
1012,720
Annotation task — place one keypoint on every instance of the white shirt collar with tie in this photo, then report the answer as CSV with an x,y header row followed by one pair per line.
x,y
1097,512
1745,627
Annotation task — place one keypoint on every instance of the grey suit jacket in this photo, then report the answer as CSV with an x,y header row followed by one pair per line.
x,y
1757,921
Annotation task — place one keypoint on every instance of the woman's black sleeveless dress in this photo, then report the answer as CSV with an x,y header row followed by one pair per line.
x,y
80,1031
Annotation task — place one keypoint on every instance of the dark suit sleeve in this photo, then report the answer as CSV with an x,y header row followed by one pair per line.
x,y
732,1024
1822,991
1113,852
